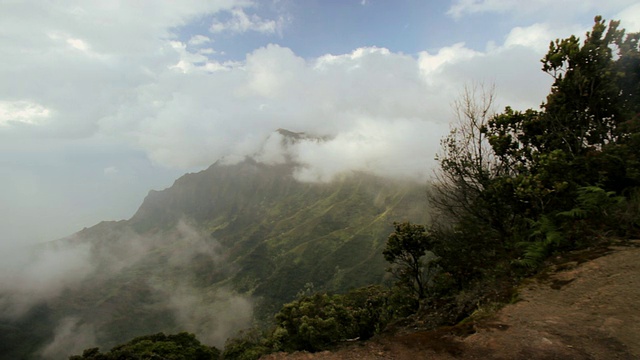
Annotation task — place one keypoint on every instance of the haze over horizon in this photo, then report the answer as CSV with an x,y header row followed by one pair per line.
x,y
103,101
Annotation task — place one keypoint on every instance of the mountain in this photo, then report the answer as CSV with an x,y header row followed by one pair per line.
x,y
212,254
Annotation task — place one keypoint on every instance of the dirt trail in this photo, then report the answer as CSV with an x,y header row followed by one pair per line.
x,y
587,310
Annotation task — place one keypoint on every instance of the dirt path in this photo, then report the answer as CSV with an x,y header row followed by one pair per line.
x,y
581,311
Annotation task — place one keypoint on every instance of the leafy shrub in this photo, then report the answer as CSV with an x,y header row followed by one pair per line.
x,y
315,322
182,346
248,345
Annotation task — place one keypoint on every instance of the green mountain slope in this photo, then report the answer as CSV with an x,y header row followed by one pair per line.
x,y
217,249
279,233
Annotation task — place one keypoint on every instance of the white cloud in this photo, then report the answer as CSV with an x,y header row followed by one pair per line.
x,y
78,44
45,54
536,36
28,277
111,171
630,18
199,40
462,7
71,336
197,111
22,111
372,145
207,51
447,55
240,22
533,8
116,77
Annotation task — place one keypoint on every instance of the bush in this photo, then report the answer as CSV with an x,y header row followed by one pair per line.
x,y
313,323
182,346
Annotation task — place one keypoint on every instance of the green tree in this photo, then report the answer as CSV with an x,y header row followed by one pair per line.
x,y
466,195
586,133
181,346
250,344
312,323
406,250
315,322
587,124
467,162
505,179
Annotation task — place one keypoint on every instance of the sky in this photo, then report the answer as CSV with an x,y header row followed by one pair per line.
x,y
102,101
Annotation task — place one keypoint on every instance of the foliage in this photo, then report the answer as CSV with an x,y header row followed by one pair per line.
x,y
181,346
276,234
248,345
317,321
469,166
583,134
314,322
546,237
517,186
407,250
513,188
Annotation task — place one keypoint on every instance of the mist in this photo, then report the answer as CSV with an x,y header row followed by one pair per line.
x,y
114,102
91,261
72,336
102,102
29,276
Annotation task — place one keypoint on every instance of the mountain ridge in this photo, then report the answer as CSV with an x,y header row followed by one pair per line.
x,y
219,248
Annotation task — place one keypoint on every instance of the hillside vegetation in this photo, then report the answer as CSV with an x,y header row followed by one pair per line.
x,y
580,307
513,189
216,252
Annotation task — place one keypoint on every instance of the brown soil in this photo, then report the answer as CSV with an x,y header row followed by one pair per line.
x,y
577,309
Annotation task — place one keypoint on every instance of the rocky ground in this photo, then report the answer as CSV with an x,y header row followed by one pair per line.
x,y
586,306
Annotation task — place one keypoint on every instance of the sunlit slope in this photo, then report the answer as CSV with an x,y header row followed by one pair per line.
x,y
212,252
279,234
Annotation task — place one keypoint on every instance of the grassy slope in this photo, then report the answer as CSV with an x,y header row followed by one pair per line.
x,y
269,237
282,234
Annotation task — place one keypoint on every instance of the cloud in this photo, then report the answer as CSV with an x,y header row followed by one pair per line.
x,y
79,60
197,111
630,18
536,36
108,254
22,111
199,40
240,22
91,85
29,277
558,9
214,316
371,146
71,336
447,55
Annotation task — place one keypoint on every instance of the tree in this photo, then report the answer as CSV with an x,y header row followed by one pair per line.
x,y
405,250
249,344
181,346
466,162
464,187
311,323
586,135
315,322
587,132
476,221
504,179
592,109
